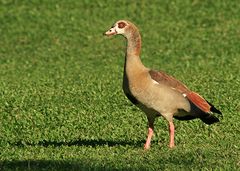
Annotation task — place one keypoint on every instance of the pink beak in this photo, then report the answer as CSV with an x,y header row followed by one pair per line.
x,y
110,32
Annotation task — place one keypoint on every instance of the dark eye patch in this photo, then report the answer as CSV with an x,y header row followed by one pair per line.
x,y
121,25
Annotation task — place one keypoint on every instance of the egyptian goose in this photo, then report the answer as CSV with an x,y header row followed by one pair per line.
x,y
155,92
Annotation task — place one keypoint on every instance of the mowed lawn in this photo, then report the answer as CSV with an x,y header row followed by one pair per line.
x,y
61,101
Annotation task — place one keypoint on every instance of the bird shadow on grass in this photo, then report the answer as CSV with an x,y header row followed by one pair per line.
x,y
64,164
84,142
89,164
38,165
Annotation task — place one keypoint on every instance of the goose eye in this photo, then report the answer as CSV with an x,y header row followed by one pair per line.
x,y
121,25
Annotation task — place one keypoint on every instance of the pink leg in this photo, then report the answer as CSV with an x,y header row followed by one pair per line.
x,y
148,141
171,132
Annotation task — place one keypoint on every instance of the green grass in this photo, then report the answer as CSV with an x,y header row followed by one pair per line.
x,y
61,103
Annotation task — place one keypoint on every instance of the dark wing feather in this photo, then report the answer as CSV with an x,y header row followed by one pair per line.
x,y
199,101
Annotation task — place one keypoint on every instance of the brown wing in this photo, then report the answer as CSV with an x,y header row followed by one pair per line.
x,y
163,78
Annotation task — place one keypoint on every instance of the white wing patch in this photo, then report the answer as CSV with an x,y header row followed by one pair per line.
x,y
184,94
155,82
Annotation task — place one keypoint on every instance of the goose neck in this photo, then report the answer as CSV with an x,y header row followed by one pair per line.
x,y
134,44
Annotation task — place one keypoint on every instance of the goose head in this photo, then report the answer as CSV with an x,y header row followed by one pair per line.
x,y
130,32
121,27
